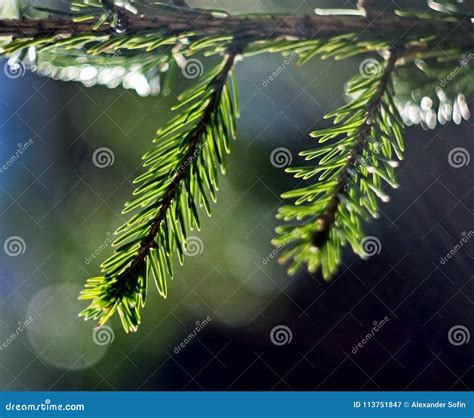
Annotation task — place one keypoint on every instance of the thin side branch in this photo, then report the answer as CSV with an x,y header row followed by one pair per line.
x,y
325,222
137,266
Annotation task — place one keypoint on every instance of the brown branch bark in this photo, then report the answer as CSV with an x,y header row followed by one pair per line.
x,y
470,5
368,7
250,28
179,3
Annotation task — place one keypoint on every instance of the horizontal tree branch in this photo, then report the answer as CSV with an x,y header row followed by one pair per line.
x,y
248,28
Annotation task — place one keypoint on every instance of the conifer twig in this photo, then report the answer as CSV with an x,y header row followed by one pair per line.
x,y
350,172
136,268
325,222
190,146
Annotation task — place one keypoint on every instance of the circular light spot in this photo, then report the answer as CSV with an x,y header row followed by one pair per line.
x,y
57,334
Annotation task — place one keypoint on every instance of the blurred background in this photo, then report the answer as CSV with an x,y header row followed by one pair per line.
x,y
253,327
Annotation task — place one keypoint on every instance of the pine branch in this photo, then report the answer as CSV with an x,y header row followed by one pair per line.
x,y
353,164
203,24
350,172
326,221
98,30
190,146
